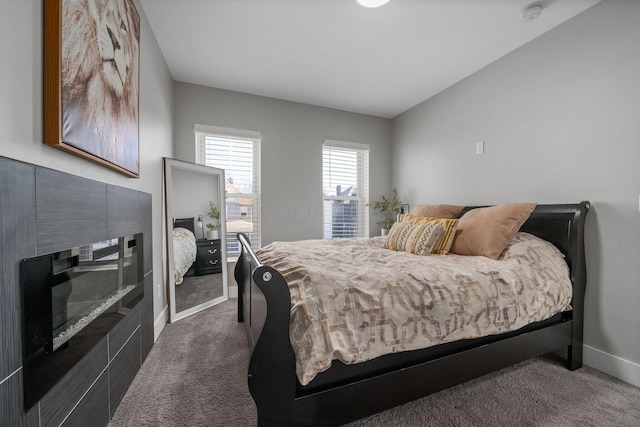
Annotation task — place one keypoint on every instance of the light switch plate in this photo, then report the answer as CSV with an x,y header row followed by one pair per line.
x,y
480,147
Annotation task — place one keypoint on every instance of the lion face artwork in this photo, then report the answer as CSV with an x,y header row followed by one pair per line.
x,y
100,78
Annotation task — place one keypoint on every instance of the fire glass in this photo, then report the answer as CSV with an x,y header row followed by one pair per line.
x,y
71,300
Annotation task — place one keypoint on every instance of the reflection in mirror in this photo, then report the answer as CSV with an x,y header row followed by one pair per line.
x,y
195,237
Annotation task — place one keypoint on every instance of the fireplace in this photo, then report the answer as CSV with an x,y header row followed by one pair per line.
x,y
71,300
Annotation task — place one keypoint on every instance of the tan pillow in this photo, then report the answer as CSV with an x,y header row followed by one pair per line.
x,y
445,240
438,211
487,231
418,239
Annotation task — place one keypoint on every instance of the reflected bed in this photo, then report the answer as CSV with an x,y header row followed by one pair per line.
x,y
184,247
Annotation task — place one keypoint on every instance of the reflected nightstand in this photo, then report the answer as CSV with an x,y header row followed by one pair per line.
x,y
208,257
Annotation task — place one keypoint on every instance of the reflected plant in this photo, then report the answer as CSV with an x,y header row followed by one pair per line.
x,y
214,214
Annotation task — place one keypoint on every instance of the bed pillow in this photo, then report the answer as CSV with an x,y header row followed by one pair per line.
x,y
438,211
418,239
445,240
487,231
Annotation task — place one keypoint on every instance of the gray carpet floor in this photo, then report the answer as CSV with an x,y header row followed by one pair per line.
x,y
196,290
195,375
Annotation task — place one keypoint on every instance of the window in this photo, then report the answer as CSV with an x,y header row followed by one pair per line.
x,y
345,186
238,153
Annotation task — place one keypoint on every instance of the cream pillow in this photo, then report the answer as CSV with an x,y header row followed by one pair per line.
x,y
445,240
418,239
438,211
487,231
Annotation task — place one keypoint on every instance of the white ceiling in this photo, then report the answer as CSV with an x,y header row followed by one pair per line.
x,y
338,54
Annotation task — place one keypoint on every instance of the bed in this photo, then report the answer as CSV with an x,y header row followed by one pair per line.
x,y
184,247
344,391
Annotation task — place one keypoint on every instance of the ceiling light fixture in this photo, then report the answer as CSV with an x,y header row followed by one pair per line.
x,y
529,13
373,3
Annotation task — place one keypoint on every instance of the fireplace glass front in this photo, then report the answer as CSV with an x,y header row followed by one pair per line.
x,y
71,299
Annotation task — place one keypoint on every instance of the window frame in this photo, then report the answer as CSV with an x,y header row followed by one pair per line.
x,y
362,183
200,133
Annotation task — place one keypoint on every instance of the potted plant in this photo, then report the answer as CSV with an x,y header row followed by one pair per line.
x,y
387,208
214,213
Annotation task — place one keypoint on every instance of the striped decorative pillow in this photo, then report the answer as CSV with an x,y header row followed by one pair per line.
x,y
445,241
418,239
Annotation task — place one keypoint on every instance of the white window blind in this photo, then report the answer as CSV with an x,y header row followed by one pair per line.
x,y
238,153
345,182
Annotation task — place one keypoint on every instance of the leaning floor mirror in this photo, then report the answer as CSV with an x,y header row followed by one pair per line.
x,y
196,238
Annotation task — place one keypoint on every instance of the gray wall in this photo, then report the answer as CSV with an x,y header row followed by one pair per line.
x,y
192,192
292,137
560,122
21,115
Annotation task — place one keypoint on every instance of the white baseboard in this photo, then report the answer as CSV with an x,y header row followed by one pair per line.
x,y
160,322
615,366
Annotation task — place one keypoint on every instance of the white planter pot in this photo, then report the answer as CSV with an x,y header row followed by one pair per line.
x,y
384,231
212,234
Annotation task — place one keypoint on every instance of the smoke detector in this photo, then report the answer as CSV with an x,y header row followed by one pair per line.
x,y
529,13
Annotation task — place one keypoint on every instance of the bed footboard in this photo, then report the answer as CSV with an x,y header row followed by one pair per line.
x,y
264,305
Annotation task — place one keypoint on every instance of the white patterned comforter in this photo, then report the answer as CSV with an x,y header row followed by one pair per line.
x,y
184,252
353,300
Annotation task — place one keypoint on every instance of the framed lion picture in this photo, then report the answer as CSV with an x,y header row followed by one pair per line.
x,y
91,80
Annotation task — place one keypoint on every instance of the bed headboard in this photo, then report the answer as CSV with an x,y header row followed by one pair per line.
x,y
562,225
187,223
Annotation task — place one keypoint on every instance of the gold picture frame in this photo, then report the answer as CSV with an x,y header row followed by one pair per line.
x,y
91,81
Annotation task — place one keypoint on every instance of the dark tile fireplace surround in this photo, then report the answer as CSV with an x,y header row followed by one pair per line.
x,y
43,211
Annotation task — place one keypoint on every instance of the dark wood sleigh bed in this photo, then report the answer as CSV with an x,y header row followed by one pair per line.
x,y
345,393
